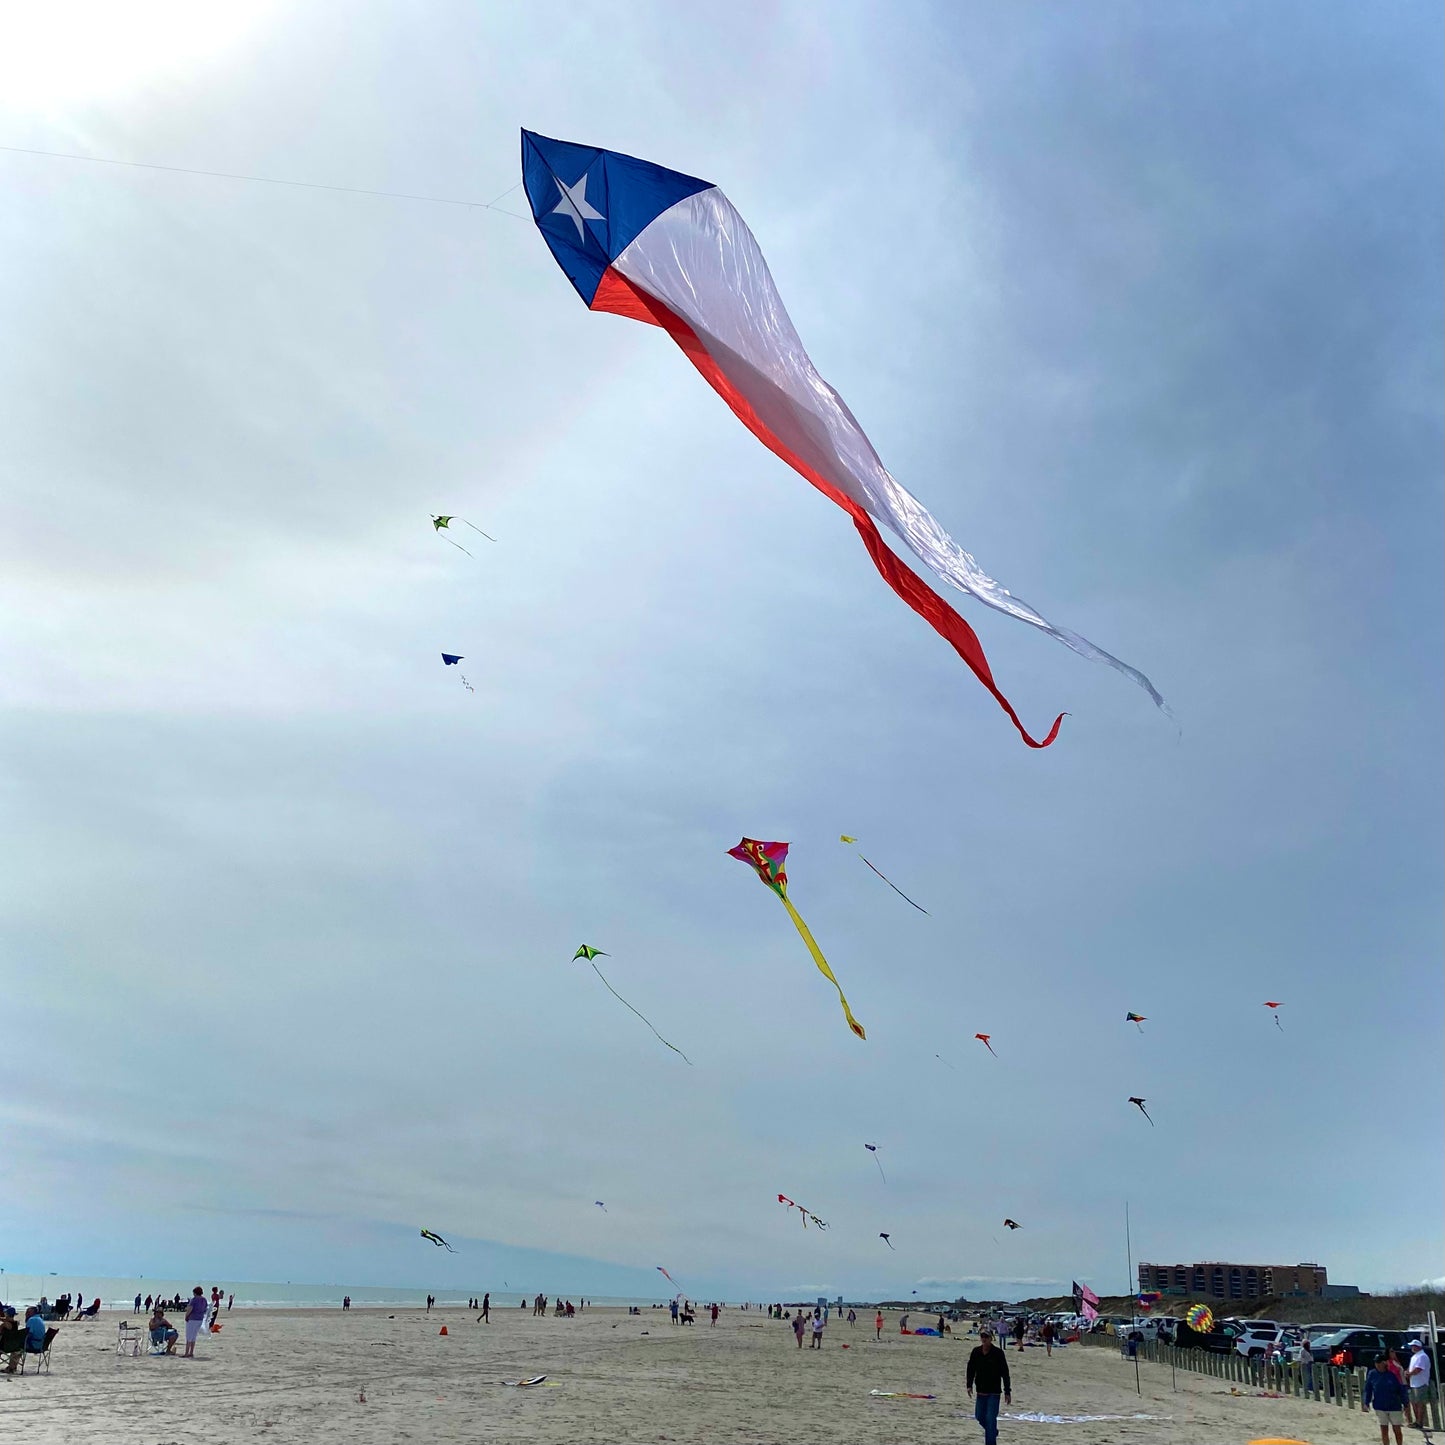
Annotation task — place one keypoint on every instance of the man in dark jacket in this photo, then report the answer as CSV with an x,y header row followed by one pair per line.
x,y
1388,1397
988,1374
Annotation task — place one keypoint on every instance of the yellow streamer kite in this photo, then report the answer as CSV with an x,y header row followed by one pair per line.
x,y
767,861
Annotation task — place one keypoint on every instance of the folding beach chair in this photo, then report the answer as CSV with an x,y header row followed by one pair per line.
x,y
129,1339
39,1358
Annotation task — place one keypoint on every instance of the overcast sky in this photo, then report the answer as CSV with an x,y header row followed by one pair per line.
x,y
1143,300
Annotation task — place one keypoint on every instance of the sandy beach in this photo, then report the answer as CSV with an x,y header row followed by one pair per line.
x,y
298,1375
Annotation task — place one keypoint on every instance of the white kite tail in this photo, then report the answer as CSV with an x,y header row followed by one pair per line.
x,y
899,510
700,260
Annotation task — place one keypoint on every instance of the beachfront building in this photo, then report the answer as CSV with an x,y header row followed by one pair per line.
x,y
1211,1279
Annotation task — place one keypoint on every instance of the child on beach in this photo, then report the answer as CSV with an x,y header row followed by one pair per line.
x,y
878,1325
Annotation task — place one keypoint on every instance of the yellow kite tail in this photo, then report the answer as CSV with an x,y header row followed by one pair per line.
x,y
822,963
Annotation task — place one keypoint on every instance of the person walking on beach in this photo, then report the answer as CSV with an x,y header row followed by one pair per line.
x,y
988,1375
1388,1397
135,1309
486,1313
818,1324
195,1320
713,1312
1047,1336
878,1325
1020,1328
798,1328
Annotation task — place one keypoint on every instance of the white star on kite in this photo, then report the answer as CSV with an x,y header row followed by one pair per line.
x,y
575,206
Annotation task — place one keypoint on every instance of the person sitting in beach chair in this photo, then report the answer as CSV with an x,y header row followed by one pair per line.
x,y
12,1340
90,1311
37,1343
163,1334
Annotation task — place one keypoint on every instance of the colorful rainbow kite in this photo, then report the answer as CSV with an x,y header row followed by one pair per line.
x,y
767,860
642,241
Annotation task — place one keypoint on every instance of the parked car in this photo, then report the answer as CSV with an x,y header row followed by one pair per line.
x,y
1360,1345
1215,1342
1252,1338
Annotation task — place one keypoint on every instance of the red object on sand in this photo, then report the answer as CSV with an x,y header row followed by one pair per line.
x,y
442,1331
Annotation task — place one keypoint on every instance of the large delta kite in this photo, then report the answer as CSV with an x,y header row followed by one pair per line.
x,y
767,860
642,241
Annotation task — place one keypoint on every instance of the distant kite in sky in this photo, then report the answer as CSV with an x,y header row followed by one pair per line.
x,y
844,838
592,955
668,249
885,1239
600,1205
944,1062
450,659
1012,1224
1135,1019
669,1279
806,1213
1139,1105
437,1240
1274,1005
984,1040
873,1150
767,860
442,523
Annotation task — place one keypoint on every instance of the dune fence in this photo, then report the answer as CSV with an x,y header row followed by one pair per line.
x,y
1327,1384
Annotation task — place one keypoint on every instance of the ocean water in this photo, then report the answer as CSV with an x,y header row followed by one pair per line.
x,y
113,1293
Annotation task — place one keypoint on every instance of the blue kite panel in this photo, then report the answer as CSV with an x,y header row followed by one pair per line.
x,y
591,204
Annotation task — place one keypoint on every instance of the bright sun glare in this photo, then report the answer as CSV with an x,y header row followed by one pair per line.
x,y
54,51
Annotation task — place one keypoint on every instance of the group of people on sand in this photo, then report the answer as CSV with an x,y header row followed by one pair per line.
x,y
177,1303
198,1311
21,1337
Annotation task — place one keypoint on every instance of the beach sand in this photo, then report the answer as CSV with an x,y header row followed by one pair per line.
x,y
296,1376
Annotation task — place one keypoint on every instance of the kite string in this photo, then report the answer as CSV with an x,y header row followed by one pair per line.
x,y
897,889
271,180
627,1005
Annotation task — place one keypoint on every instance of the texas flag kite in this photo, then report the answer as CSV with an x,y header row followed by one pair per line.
x,y
642,241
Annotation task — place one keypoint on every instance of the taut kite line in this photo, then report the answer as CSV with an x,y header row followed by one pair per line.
x,y
844,838
642,241
591,954
767,860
